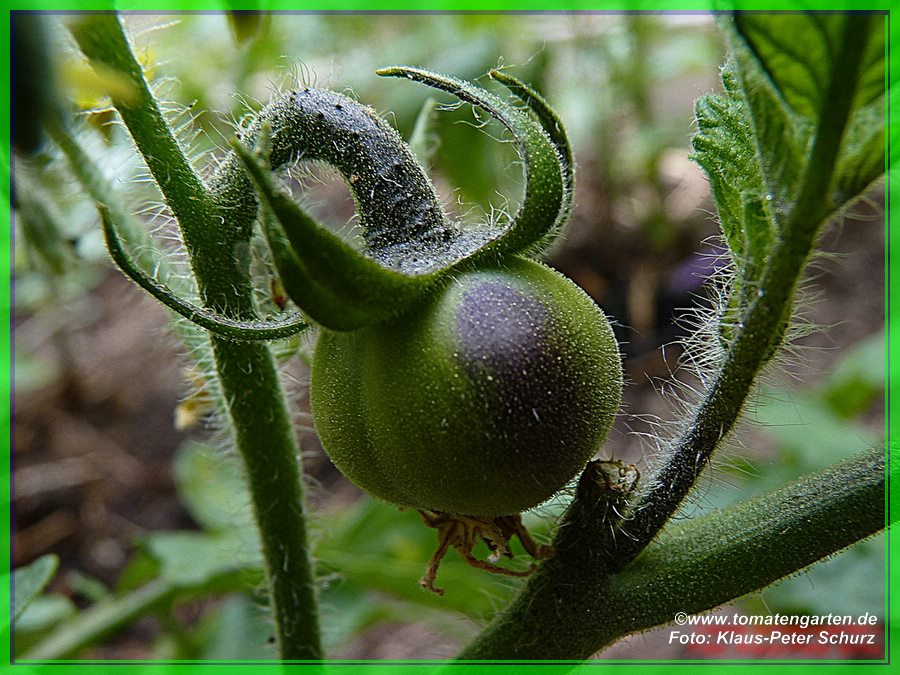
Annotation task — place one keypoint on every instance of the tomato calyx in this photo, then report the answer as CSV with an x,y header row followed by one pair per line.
x,y
463,532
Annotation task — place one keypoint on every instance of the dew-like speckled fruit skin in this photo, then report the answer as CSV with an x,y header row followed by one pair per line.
x,y
483,401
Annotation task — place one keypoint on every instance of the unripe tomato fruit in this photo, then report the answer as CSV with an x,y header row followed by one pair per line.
x,y
484,400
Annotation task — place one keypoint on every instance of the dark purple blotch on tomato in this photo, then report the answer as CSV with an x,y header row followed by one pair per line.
x,y
523,371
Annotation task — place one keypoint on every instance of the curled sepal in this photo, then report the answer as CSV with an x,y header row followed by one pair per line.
x,y
542,146
241,331
554,128
319,301
358,290
399,214
408,242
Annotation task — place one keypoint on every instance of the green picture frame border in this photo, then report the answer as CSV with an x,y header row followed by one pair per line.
x,y
892,346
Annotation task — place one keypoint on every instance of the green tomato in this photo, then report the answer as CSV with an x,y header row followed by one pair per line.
x,y
484,400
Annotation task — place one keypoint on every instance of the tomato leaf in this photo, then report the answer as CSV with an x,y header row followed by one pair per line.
x,y
193,559
212,488
796,52
755,139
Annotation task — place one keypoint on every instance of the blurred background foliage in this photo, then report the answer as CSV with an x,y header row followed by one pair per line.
x,y
120,478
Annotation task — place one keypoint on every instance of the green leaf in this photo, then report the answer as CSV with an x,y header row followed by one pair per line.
x,y
751,151
779,139
796,51
193,559
862,158
90,625
351,610
212,487
799,422
88,587
758,234
724,148
754,140
795,55
29,581
141,568
239,629
857,380
41,615
728,150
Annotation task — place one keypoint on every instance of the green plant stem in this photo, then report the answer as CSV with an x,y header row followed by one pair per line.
x,y
216,241
754,543
724,401
699,565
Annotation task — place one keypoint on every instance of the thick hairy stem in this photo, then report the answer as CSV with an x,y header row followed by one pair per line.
x,y
699,565
724,401
249,380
